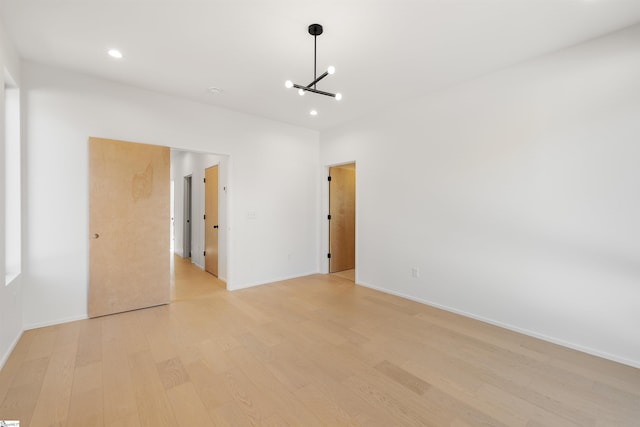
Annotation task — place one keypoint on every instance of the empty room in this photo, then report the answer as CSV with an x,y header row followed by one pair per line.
x,y
297,213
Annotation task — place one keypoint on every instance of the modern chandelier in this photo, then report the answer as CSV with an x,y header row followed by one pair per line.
x,y
315,30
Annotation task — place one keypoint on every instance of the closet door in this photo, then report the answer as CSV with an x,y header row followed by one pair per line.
x,y
342,226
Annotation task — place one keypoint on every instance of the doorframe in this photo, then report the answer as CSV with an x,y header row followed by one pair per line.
x,y
187,206
324,227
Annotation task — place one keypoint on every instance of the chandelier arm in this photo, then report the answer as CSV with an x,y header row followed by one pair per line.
x,y
309,89
313,83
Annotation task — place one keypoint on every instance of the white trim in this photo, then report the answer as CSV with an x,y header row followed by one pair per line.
x,y
267,282
578,347
10,277
55,322
5,357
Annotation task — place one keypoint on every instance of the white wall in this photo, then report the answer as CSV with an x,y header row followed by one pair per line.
x,y
185,163
11,295
272,165
516,195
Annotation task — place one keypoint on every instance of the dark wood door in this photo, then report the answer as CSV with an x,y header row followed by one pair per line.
x,y
342,226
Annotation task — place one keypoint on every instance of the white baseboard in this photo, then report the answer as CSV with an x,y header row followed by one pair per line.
x,y
578,347
55,322
5,356
266,282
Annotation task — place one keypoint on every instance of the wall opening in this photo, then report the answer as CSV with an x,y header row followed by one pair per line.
x,y
190,201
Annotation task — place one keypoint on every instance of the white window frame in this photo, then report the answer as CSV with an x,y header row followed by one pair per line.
x,y
12,181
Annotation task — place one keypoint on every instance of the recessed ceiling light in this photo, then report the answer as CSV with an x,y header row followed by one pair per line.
x,y
214,90
313,112
115,53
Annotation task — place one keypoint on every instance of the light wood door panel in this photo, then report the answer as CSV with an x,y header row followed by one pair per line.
x,y
211,226
342,226
129,226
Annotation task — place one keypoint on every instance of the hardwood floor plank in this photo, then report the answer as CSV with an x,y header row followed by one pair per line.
x,y
172,373
89,342
534,414
22,396
119,395
209,385
230,415
44,343
333,408
14,362
255,406
403,377
215,356
152,403
186,404
86,403
52,407
286,404
397,407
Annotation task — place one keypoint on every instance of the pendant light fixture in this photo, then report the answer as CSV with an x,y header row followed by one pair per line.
x,y
315,30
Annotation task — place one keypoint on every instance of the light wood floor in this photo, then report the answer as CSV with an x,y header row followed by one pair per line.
x,y
311,351
347,274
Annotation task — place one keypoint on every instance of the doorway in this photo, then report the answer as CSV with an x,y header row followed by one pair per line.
x,y
342,219
186,239
194,165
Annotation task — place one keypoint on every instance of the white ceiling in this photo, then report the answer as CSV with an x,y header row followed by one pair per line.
x,y
384,50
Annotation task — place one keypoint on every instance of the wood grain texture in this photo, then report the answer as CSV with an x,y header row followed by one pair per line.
x,y
342,226
211,233
313,351
129,226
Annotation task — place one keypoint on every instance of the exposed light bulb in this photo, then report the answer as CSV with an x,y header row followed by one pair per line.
x,y
288,84
313,112
338,96
115,53
331,69
300,92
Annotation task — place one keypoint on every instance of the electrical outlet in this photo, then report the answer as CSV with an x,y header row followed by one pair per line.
x,y
415,272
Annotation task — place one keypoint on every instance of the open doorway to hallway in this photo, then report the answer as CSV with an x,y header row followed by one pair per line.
x,y
342,220
190,209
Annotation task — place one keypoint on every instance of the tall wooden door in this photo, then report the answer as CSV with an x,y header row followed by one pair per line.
x,y
342,211
186,230
211,227
129,217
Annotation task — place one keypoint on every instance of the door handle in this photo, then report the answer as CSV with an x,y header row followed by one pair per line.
x,y
215,226
95,236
